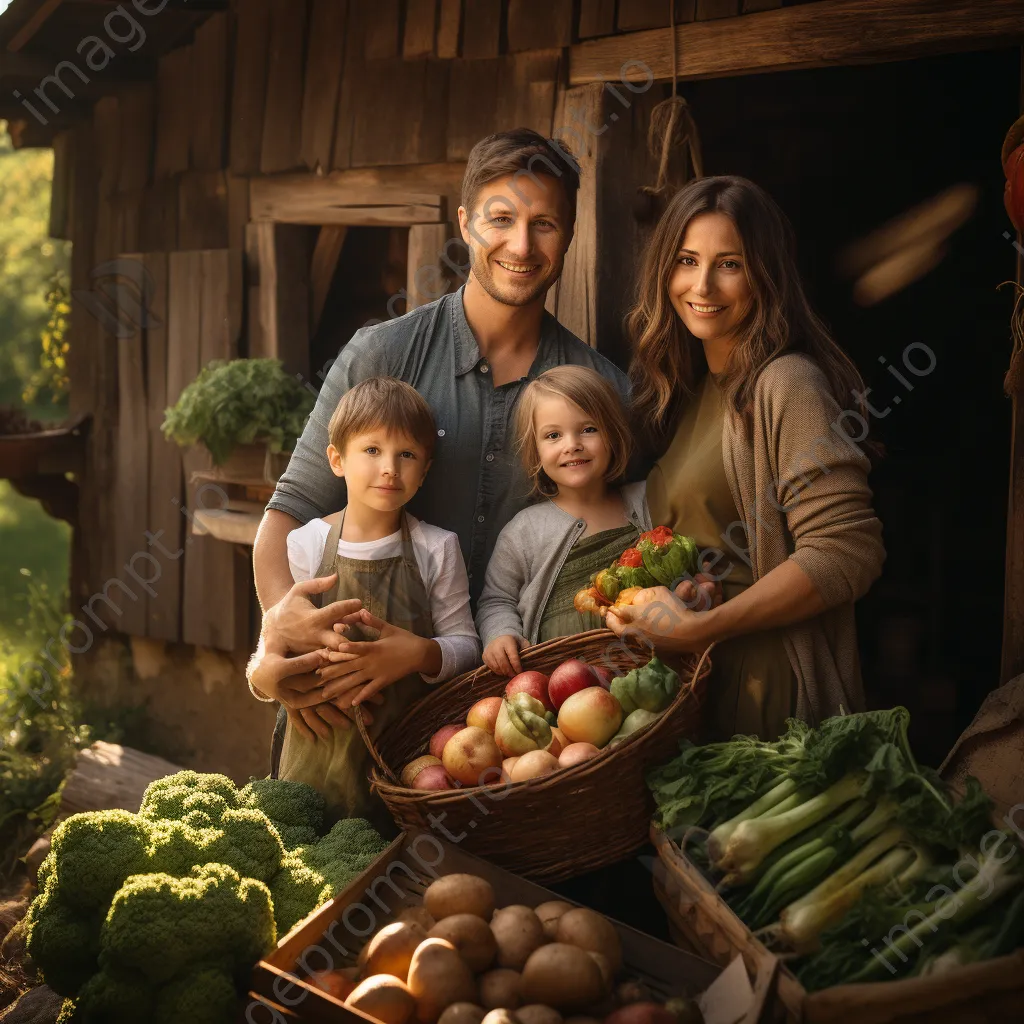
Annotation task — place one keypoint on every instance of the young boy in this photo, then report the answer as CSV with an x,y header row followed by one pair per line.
x,y
415,626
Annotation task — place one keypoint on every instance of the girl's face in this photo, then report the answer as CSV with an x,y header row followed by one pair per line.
x,y
381,469
709,287
573,451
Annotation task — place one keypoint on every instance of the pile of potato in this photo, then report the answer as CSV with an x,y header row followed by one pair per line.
x,y
458,960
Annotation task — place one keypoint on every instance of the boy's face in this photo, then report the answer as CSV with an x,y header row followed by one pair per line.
x,y
381,469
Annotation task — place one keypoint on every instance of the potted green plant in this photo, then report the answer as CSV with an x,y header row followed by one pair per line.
x,y
248,413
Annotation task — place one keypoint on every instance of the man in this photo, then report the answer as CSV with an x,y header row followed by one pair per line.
x,y
469,354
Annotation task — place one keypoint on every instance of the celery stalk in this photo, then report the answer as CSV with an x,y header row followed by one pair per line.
x,y
721,835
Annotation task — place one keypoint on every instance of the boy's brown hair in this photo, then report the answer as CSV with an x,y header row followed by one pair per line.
x,y
598,399
520,152
386,403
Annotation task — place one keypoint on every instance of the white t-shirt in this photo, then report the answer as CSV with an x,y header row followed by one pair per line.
x,y
440,562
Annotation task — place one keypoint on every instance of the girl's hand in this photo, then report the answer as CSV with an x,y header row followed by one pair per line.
x,y
660,616
501,655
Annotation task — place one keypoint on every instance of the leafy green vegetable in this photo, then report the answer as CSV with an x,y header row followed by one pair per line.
x,y
650,687
668,557
239,402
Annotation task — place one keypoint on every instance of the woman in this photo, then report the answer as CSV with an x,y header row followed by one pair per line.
x,y
757,414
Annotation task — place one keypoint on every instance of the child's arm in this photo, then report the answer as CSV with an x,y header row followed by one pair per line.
x,y
452,617
498,619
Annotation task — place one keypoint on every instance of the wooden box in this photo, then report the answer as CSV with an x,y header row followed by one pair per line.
x,y
331,937
702,922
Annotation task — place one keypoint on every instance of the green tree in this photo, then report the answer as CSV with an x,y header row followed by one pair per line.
x,y
29,262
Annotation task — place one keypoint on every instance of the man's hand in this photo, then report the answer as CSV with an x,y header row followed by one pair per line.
x,y
361,669
501,655
702,594
296,625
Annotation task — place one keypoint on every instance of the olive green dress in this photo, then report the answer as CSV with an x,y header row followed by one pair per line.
x,y
586,557
752,688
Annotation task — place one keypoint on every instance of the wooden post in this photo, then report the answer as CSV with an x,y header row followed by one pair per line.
x,y
427,279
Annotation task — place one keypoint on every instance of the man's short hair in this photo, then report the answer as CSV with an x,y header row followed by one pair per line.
x,y
383,403
520,152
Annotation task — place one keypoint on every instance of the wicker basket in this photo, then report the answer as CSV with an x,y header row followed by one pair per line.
x,y
560,825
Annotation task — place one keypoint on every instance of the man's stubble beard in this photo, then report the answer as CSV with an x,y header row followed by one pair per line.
x,y
481,270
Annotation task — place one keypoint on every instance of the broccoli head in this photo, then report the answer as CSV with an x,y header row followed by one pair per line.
x,y
203,995
68,1013
95,852
293,837
285,803
62,941
297,890
345,851
113,997
165,797
178,847
249,843
159,925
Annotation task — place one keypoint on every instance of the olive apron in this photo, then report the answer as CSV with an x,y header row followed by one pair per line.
x,y
391,589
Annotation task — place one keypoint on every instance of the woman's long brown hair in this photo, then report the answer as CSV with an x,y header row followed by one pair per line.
x,y
668,361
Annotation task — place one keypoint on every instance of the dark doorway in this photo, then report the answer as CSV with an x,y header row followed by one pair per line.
x,y
843,150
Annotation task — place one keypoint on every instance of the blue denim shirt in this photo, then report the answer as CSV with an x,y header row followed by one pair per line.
x,y
476,484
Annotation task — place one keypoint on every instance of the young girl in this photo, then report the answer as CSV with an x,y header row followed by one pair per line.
x,y
572,434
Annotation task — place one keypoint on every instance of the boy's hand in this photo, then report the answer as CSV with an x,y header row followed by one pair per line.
x,y
360,670
501,655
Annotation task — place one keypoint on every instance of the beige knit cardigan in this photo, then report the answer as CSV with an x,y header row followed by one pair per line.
x,y
801,490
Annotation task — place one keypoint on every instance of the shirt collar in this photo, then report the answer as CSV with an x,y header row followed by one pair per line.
x,y
467,351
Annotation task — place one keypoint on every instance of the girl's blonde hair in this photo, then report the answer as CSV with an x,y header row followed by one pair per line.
x,y
596,397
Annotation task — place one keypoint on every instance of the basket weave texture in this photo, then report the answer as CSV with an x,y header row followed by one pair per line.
x,y
560,825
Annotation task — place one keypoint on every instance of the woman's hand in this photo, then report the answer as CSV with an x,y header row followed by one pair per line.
x,y
295,624
501,655
358,670
662,617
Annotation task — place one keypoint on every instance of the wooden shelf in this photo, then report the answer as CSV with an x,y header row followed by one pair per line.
x,y
48,452
234,527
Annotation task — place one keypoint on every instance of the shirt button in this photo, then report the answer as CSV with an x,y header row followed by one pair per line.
x,y
484,368
580,523
479,519
440,433
490,456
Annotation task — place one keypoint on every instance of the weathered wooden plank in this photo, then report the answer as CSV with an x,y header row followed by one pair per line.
x,y
210,61
382,30
426,273
472,103
709,10
131,505
203,210
597,18
159,228
526,94
305,199
282,127
481,28
753,6
127,209
106,119
417,88
174,113
324,64
329,243
351,93
539,26
107,775
634,15
63,184
137,104
83,212
166,482
238,211
449,28
811,35
249,94
420,28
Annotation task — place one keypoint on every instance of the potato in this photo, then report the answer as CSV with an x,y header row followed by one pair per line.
x,y
390,950
438,977
420,915
462,1013
537,1014
563,977
549,913
501,1017
593,932
471,936
385,997
499,988
519,932
606,970
459,894
642,1013
334,983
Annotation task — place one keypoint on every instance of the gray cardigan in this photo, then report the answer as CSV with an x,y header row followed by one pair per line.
x,y
528,556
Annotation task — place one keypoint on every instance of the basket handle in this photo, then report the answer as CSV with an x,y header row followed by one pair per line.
x,y
374,753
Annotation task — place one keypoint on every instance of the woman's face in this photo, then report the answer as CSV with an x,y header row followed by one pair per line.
x,y
709,287
573,451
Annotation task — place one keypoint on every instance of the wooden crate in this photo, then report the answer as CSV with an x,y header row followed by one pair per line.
x,y
332,936
703,923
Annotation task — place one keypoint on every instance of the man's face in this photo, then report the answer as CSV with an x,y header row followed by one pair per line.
x,y
517,233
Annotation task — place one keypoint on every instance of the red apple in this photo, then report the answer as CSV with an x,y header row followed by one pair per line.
x,y
533,683
570,677
433,777
591,715
442,736
484,713
604,675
